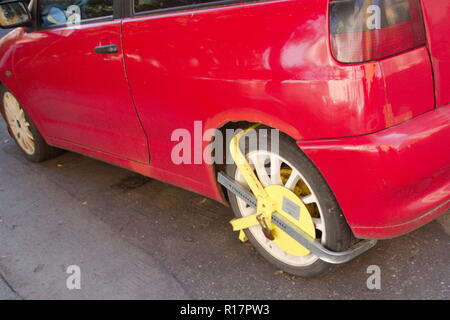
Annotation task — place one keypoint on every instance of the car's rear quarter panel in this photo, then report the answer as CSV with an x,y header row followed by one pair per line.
x,y
268,62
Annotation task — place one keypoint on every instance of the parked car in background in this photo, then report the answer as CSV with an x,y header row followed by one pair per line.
x,y
4,32
359,89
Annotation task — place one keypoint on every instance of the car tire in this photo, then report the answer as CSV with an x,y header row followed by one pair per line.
x,y
339,237
23,130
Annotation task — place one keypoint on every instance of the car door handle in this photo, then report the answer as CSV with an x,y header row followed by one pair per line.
x,y
108,49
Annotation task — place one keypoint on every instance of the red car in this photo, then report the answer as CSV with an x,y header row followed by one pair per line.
x,y
358,89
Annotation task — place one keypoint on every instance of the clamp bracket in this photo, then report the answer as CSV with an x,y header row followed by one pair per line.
x,y
291,229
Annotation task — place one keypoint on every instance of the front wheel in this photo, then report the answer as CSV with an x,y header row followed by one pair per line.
x,y
290,168
23,130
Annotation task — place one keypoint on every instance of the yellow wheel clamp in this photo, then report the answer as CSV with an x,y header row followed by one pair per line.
x,y
281,214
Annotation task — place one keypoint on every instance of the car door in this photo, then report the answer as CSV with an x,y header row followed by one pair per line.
x,y
72,67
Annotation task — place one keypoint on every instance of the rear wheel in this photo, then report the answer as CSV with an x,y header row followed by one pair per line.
x,y
23,130
292,169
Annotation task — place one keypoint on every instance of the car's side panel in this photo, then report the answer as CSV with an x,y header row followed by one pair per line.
x,y
75,94
437,18
265,62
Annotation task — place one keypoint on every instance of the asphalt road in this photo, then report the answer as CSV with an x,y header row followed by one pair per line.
x,y
137,238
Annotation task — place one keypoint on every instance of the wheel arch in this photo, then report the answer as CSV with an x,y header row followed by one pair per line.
x,y
252,116
241,118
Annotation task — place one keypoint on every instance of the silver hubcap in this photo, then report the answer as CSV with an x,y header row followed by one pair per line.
x,y
272,169
18,123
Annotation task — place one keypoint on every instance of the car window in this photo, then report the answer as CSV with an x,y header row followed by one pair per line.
x,y
148,5
70,12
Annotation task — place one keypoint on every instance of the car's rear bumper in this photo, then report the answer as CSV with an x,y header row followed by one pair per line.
x,y
393,181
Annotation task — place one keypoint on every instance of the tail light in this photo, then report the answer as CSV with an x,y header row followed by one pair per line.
x,y
367,30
